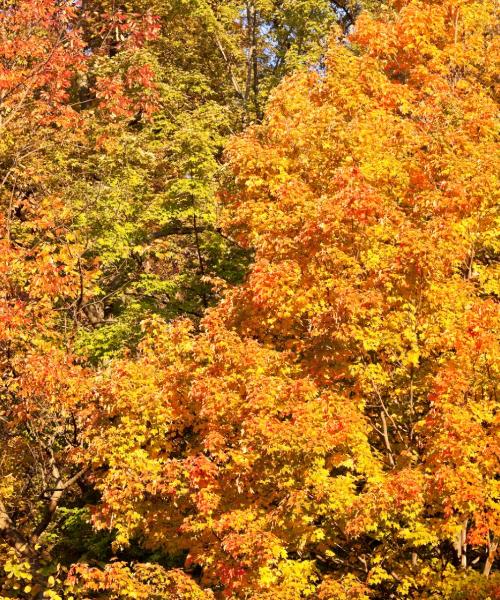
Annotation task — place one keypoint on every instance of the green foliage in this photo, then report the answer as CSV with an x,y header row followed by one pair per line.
x,y
77,541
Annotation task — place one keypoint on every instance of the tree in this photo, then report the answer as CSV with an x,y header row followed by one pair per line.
x,y
112,131
333,431
43,275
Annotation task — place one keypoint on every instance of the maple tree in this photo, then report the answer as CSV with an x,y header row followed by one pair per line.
x,y
331,431
87,91
47,113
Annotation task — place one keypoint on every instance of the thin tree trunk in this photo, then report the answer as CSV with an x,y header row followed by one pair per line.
x,y
491,558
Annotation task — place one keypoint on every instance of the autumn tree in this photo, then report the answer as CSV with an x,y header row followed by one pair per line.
x,y
113,120
44,272
333,431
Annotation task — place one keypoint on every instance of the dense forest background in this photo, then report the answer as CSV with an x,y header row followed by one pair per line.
x,y
249,299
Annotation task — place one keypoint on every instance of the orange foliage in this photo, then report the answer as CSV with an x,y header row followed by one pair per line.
x,y
334,431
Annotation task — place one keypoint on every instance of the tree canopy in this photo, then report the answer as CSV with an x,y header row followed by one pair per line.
x,y
249,300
